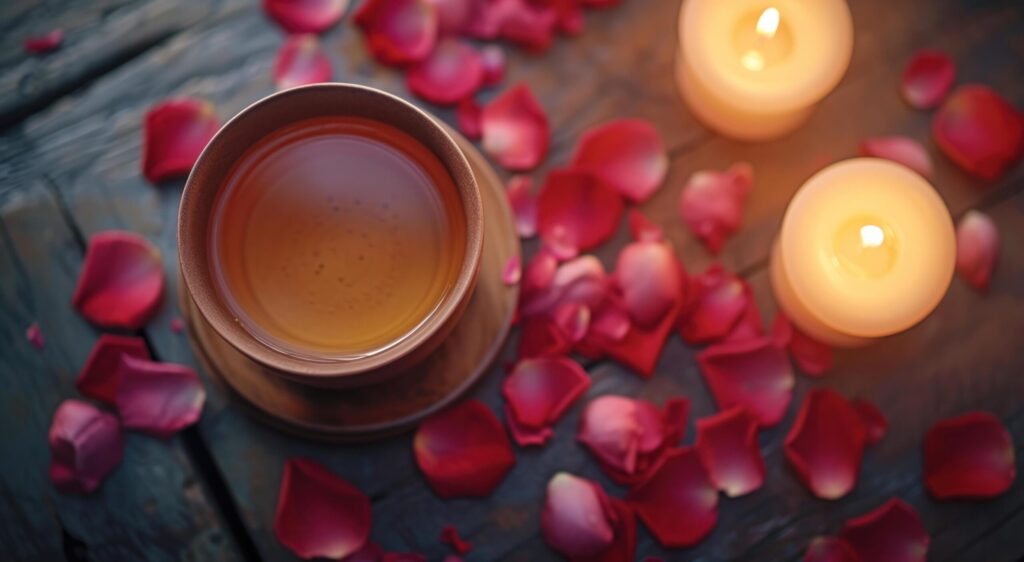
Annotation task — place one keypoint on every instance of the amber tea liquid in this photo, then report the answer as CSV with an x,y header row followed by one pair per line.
x,y
337,236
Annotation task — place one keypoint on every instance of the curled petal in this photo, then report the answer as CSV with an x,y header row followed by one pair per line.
x,y
826,443
398,31
539,391
34,335
875,424
577,519
627,154
752,373
520,196
450,536
977,249
642,229
728,447
640,348
677,503
121,282
493,59
174,133
902,150
453,72
541,336
467,116
717,301
979,131
157,398
99,377
829,549
44,43
85,445
301,61
580,280
319,514
813,357
927,79
577,209
463,451
651,280
711,203
891,533
515,129
512,271
968,456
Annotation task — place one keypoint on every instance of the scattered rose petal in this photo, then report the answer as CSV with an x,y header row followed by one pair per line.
x,y
520,196
826,443
452,15
891,533
121,282
627,154
642,229
515,129
177,325
573,320
34,335
902,150
319,514
749,326
527,25
711,203
463,451
829,549
512,271
717,301
305,16
979,131
813,357
493,59
370,552
542,337
538,392
450,536
677,503
927,79
301,61
728,447
398,31
453,71
540,273
651,280
581,522
640,348
568,16
174,133
977,249
610,323
547,286
873,419
41,44
85,445
157,398
577,209
968,456
467,116
752,373
99,377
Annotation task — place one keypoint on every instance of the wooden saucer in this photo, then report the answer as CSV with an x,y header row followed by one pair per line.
x,y
398,404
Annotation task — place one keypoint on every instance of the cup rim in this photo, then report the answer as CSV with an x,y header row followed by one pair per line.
x,y
200,192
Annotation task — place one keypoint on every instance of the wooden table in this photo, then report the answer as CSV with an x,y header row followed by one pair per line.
x,y
69,167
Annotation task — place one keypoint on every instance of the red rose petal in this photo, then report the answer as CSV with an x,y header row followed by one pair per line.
x,y
577,520
157,398
453,72
891,533
452,15
979,131
493,59
174,133
85,444
34,335
651,280
977,249
751,373
902,150
398,31
305,16
627,154
677,503
542,337
121,282
718,299
515,129
642,229
450,536
829,549
319,514
99,377
573,320
540,273
402,557
370,552
749,326
520,196
44,43
640,348
927,79
826,443
513,270
813,357
608,324
968,456
463,451
581,280
728,447
711,203
527,25
539,391
467,116
301,61
873,419
568,16
577,209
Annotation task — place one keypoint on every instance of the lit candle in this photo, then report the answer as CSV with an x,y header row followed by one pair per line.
x,y
867,249
755,69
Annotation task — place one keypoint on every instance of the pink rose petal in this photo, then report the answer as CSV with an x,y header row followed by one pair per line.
x,y
121,282
902,150
301,61
813,357
826,444
305,16
651,280
891,533
627,154
86,446
927,79
515,129
450,536
41,44
677,503
453,15
512,271
174,133
573,320
453,72
711,203
752,373
34,335
977,249
578,519
969,456
979,131
99,377
493,59
547,286
157,398
642,229
717,301
520,196
577,209
538,392
527,25
728,447
829,549
398,32
467,116
873,419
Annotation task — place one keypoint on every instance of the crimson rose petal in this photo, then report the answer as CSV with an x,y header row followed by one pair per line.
x,y
85,444
515,129
573,320
452,15
463,451
99,377
728,447
979,131
927,78
157,398
453,72
891,533
813,357
301,61
752,373
717,302
527,25
450,536
539,391
398,31
627,154
968,456
34,335
577,209
651,280
467,116
580,280
319,514
829,549
121,282
305,16
520,196
174,133
826,443
903,150
711,203
541,336
873,419
512,271
977,249
677,503
41,44
642,229
370,552
640,348
577,519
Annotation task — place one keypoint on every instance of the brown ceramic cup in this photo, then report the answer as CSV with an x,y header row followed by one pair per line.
x,y
230,143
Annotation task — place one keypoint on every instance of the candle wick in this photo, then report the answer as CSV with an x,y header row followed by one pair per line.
x,y
871,236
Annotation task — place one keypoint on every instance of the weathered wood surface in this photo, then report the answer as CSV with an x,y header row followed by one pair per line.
x,y
83,141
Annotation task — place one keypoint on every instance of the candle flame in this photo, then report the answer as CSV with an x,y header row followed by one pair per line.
x,y
768,23
871,236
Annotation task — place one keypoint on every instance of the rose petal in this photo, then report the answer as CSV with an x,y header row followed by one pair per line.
x,y
891,533
402,557
873,419
174,133
44,43
968,456
540,274
752,373
121,282
463,451
539,391
640,348
977,249
577,209
305,16
811,356
711,203
527,25
642,229
520,196
452,15
651,280
369,552
319,514
568,16
450,536
513,270
301,61
157,398
34,335
829,549
979,131
99,377
86,446
728,447
677,503
610,323
627,154
177,325
542,337
493,59
826,443
515,129
577,519
398,31
902,150
927,79
717,301
467,116
453,72
580,280
573,320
